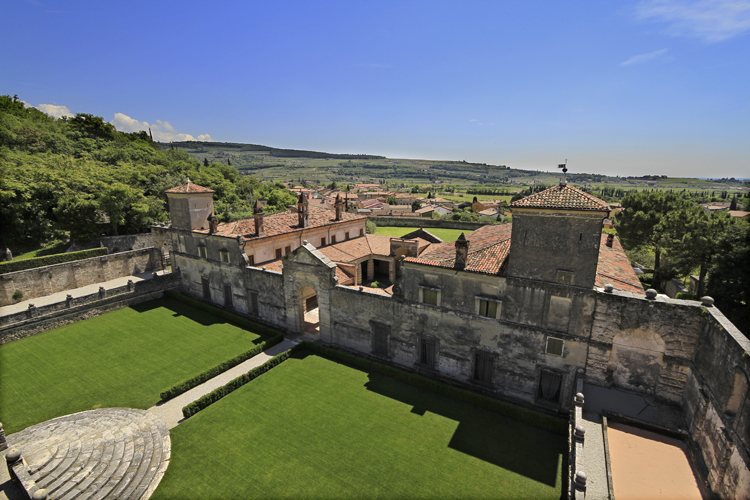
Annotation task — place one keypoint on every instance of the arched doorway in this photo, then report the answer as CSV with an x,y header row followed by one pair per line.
x,y
309,311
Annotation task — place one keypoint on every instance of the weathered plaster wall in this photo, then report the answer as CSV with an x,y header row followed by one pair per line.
x,y
545,242
47,280
643,345
116,244
715,403
265,296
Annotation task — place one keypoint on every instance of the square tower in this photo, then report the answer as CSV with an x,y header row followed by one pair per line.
x,y
190,205
556,235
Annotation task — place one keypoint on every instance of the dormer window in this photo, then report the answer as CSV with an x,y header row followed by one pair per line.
x,y
224,254
202,250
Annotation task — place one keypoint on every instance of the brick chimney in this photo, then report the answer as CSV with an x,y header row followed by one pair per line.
x,y
339,206
213,224
610,240
302,211
462,251
258,216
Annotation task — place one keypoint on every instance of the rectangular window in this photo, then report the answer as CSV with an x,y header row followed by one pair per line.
x,y
322,242
483,367
379,339
206,288
228,295
287,250
202,252
278,253
427,352
346,235
488,308
565,277
224,256
251,260
361,232
430,296
550,384
333,240
555,346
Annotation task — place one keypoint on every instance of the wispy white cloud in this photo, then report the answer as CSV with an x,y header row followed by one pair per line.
x,y
162,131
56,110
642,58
708,20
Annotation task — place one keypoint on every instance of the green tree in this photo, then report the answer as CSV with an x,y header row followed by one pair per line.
x,y
733,204
118,199
78,213
415,205
729,276
691,239
392,200
636,224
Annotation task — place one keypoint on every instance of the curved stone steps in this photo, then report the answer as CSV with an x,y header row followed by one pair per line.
x,y
106,453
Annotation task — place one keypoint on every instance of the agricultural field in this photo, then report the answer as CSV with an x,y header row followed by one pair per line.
x,y
443,234
316,428
123,358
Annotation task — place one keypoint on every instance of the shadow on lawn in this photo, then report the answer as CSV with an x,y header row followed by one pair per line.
x,y
499,440
181,309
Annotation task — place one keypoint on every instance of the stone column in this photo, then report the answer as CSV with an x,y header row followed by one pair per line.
x,y
371,269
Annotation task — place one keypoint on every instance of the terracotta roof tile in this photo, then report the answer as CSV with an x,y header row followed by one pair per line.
x,y
562,197
488,251
281,223
189,187
614,267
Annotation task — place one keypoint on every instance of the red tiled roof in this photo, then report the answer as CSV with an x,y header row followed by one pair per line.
x,y
282,222
562,197
488,251
351,250
189,187
614,268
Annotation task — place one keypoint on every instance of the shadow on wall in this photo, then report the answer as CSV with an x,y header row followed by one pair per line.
x,y
515,446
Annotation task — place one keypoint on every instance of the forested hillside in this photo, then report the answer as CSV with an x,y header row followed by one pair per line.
x,y
79,178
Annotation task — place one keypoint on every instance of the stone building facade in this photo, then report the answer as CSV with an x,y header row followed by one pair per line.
x,y
518,312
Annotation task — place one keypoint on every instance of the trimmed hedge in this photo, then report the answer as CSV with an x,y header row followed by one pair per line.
x,y
546,422
686,296
540,420
60,258
212,397
276,337
221,313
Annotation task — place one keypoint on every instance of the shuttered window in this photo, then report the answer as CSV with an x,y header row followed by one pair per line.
x,y
430,296
427,352
483,367
488,308
555,346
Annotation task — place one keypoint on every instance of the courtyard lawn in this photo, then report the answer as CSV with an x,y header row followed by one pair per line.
x,y
123,358
443,234
316,428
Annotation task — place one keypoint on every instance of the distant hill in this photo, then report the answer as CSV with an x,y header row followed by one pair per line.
x,y
208,147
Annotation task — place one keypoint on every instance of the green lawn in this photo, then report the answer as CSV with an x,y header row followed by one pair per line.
x,y
443,234
316,428
123,358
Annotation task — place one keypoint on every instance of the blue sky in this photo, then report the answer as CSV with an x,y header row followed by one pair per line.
x,y
621,88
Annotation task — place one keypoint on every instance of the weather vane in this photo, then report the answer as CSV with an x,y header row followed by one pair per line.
x,y
564,167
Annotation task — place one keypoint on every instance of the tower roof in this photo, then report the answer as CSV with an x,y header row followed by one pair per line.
x,y
189,187
562,197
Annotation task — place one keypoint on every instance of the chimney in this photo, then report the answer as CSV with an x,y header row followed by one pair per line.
x,y
462,251
258,216
213,224
302,214
610,240
338,205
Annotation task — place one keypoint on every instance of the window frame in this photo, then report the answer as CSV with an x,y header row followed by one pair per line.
x,y
224,256
425,345
479,299
277,253
562,346
202,251
438,297
487,358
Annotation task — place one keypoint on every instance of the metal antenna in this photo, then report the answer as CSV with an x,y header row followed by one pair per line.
x,y
564,167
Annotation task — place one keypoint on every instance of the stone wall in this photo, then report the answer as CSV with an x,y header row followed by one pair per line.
x,y
47,280
643,345
426,223
45,318
116,244
716,406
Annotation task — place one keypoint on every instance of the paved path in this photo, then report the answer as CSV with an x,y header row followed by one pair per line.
x,y
594,460
170,412
75,292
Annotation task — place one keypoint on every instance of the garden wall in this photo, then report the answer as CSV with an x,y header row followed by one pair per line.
x,y
426,223
47,280
116,244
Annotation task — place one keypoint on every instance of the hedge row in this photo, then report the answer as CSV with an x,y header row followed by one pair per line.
x,y
221,313
540,420
212,397
186,385
60,258
546,422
